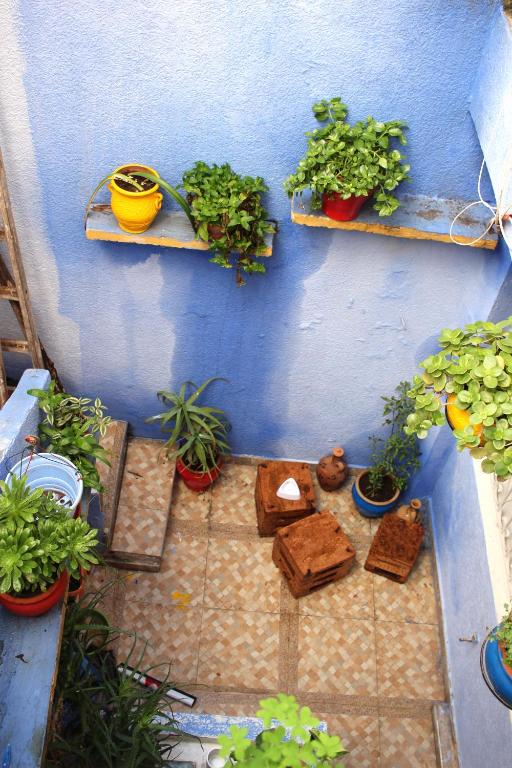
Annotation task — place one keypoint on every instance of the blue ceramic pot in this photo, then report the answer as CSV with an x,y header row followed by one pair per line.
x,y
494,671
366,506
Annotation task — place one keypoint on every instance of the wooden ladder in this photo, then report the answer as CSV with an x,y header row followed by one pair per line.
x,y
13,288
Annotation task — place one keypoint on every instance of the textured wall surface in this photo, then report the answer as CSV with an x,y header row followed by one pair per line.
x,y
482,723
19,417
339,318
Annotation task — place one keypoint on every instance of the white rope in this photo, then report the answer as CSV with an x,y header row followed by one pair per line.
x,y
497,214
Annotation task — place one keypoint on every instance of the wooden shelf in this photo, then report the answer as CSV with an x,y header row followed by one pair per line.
x,y
418,218
171,229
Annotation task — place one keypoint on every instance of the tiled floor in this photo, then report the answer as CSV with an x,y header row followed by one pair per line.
x,y
364,653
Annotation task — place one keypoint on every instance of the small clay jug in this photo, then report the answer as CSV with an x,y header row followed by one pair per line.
x,y
331,470
409,511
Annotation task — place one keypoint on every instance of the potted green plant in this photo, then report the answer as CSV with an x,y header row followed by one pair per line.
x,y
292,739
346,164
497,659
469,384
198,434
228,214
40,546
135,199
393,459
72,427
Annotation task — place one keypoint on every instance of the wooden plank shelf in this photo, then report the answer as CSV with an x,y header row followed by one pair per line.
x,y
171,229
418,218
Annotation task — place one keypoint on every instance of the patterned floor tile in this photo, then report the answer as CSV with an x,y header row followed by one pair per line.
x,y
189,505
407,743
337,656
408,661
180,581
351,597
148,476
239,649
233,495
172,636
414,601
360,736
241,576
341,504
139,530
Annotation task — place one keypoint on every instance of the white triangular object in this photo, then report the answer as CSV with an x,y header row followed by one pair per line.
x,y
289,490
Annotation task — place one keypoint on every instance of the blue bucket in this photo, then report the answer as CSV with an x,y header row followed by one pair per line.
x,y
366,506
54,474
494,672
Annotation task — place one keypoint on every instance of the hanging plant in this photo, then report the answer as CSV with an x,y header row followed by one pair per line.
x,y
228,215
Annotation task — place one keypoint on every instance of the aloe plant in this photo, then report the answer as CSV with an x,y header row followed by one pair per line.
x,y
474,366
38,540
198,432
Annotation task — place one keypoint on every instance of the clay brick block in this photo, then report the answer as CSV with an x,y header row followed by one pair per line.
x,y
312,552
273,512
395,548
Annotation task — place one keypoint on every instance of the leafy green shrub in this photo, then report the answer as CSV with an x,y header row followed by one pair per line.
x,y
396,457
475,365
351,160
38,539
102,717
503,634
71,428
304,747
229,215
198,432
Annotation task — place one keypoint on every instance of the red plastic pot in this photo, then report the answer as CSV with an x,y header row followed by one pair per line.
x,y
197,481
335,207
38,604
78,592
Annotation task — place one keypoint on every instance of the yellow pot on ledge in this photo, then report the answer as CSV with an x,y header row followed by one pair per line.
x,y
134,211
458,418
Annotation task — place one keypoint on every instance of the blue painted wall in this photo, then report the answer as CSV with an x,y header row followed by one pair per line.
x,y
340,318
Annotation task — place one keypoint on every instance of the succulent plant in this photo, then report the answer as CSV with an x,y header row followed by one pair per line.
x,y
474,370
38,540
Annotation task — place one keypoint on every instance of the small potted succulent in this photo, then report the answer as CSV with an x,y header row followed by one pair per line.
x,y
40,547
198,434
135,199
469,384
497,659
71,427
291,738
228,214
345,164
393,459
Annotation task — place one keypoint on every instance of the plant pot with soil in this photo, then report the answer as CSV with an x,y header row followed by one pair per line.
x,y
198,438
229,215
393,459
469,384
135,197
40,546
345,164
496,660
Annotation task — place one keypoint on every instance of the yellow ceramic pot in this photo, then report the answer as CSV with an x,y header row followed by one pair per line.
x,y
459,419
134,211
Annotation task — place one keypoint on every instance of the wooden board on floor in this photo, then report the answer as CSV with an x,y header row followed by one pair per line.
x,y
114,442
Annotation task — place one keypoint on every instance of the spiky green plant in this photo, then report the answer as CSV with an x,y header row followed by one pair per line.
x,y
198,432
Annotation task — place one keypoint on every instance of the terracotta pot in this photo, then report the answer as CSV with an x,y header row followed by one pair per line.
x,y
198,481
331,470
335,207
38,604
78,591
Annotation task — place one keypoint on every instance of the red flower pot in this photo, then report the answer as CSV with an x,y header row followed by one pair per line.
x,y
197,481
79,590
38,604
335,207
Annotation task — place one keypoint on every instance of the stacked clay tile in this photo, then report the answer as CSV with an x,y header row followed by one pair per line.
x,y
397,543
312,552
274,512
